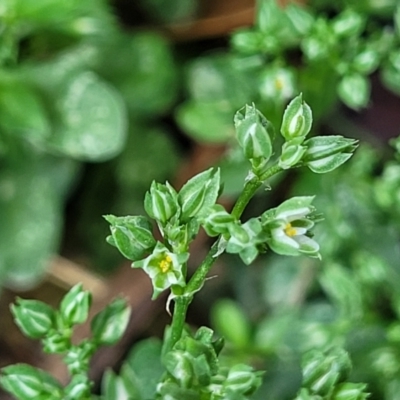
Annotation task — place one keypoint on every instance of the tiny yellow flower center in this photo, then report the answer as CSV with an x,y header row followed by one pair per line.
x,y
289,230
278,84
165,264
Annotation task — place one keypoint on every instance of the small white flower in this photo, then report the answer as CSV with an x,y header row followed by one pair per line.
x,y
164,268
289,226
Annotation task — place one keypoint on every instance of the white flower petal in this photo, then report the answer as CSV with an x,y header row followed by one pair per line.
x,y
307,245
299,231
279,236
292,215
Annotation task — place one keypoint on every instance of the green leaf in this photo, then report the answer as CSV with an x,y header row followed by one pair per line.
x,y
132,235
231,322
93,121
113,387
217,79
145,359
269,16
30,212
348,23
354,91
326,153
300,17
141,66
47,12
209,122
343,289
329,163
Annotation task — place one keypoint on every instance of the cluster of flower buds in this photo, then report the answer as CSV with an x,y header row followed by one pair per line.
x,y
321,154
177,215
54,327
285,229
193,369
325,374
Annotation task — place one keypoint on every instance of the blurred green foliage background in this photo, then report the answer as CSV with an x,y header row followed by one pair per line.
x,y
92,111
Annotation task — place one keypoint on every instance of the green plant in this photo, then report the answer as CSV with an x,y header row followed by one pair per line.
x,y
328,51
187,364
74,89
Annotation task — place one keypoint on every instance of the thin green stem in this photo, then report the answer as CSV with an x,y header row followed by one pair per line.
x,y
197,280
249,190
178,321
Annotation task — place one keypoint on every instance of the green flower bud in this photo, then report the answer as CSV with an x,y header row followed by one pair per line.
x,y
247,41
172,391
254,133
178,364
161,202
205,335
350,391
199,193
25,382
354,90
217,221
202,354
239,237
297,119
326,153
348,23
132,235
78,357
300,17
79,387
323,370
243,379
292,153
57,342
367,61
245,240
109,325
305,394
74,307
320,40
33,317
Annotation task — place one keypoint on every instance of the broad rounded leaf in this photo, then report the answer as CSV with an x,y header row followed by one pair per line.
x,y
93,120
354,91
